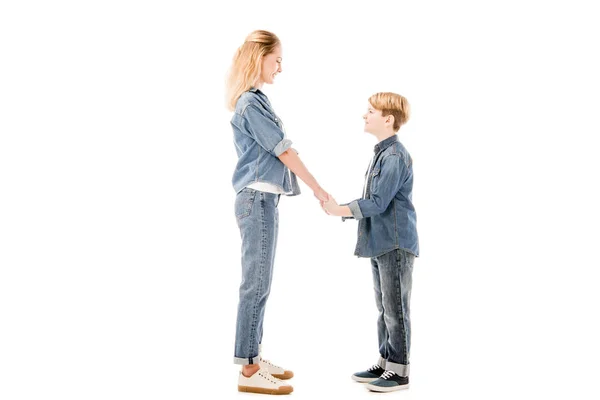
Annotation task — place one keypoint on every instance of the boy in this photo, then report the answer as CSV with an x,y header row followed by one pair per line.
x,y
387,234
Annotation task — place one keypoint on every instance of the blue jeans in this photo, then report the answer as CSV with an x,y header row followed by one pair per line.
x,y
258,219
392,278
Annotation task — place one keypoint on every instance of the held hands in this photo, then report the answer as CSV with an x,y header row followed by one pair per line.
x,y
328,203
330,207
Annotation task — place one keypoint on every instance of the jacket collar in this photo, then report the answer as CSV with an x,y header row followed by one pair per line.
x,y
385,143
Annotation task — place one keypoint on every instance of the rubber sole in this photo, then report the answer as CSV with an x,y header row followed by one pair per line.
x,y
285,375
251,389
374,388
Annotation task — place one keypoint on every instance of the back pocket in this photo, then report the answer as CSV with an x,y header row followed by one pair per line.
x,y
244,202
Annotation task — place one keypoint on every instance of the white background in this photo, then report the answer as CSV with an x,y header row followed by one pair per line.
x,y
119,250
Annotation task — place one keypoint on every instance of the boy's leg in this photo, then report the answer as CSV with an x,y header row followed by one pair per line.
x,y
375,371
382,334
395,271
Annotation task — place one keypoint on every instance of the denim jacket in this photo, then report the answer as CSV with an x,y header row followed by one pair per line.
x,y
387,218
259,140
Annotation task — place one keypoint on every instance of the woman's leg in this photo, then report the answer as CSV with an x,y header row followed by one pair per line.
x,y
272,201
256,216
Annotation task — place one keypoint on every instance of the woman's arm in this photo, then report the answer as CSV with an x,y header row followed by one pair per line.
x,y
291,160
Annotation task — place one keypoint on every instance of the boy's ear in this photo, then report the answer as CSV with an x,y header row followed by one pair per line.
x,y
389,119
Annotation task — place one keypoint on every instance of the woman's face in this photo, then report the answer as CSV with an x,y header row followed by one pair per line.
x,y
271,66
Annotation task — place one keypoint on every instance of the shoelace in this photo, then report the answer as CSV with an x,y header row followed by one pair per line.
x,y
373,368
387,374
268,377
269,363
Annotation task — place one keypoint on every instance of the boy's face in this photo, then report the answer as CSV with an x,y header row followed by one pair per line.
x,y
375,123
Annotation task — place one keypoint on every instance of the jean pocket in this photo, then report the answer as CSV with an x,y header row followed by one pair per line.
x,y
244,202
405,259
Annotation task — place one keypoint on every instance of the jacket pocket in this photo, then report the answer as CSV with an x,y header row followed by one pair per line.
x,y
374,174
244,202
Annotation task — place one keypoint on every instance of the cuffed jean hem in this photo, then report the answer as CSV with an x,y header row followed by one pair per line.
x,y
246,361
399,369
381,362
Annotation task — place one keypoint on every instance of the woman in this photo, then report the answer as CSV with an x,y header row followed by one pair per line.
x,y
267,168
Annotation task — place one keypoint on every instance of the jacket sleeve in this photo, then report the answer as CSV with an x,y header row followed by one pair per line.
x,y
384,187
265,131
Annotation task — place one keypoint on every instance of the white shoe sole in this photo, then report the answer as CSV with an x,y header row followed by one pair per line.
x,y
374,388
362,380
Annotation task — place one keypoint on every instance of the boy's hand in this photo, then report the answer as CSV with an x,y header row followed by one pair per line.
x,y
321,194
330,206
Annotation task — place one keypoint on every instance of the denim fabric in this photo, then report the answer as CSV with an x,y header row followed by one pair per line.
x,y
392,281
258,219
386,215
259,140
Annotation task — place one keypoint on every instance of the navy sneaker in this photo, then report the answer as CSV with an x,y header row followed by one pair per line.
x,y
369,375
389,381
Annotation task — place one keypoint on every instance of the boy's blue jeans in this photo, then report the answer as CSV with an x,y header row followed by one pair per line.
x,y
392,278
258,219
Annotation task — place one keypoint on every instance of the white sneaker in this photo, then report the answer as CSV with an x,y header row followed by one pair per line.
x,y
263,382
275,370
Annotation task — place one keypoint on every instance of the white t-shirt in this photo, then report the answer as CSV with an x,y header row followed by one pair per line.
x,y
266,187
367,178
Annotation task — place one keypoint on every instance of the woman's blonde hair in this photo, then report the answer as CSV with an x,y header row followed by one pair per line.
x,y
247,62
394,104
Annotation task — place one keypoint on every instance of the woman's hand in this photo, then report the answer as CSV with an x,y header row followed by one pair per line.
x,y
330,207
321,194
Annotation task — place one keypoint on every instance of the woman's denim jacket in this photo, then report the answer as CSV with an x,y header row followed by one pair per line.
x,y
259,139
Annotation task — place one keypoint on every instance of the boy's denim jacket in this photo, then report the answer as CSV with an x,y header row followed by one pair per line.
x,y
387,218
259,140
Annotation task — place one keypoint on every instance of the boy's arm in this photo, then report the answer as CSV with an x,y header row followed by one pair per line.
x,y
291,160
383,189
341,210
345,212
